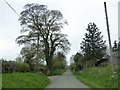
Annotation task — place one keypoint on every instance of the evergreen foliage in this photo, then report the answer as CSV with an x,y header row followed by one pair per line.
x,y
93,46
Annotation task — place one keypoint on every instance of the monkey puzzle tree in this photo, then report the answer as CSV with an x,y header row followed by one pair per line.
x,y
43,27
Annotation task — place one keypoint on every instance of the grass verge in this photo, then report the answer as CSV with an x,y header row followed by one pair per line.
x,y
98,77
24,80
0,80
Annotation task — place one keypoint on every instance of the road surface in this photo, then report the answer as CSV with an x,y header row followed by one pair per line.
x,y
67,80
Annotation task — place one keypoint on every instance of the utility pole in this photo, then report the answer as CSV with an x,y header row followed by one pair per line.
x,y
110,46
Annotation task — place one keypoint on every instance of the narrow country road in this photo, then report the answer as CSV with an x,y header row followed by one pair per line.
x,y
67,80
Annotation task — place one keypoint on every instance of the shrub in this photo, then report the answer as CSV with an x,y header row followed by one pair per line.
x,y
38,68
6,67
117,69
58,72
12,66
73,67
22,67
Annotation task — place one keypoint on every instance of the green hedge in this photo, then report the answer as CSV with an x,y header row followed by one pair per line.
x,y
12,66
58,71
22,67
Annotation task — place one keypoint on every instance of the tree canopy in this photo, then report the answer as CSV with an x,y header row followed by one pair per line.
x,y
42,28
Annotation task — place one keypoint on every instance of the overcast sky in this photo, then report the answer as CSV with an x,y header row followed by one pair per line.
x,y
78,13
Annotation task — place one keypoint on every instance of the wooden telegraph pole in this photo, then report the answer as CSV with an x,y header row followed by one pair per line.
x,y
110,46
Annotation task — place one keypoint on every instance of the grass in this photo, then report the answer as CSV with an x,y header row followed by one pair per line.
x,y
24,80
98,77
0,81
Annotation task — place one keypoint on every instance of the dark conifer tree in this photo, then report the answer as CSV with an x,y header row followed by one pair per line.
x,y
93,46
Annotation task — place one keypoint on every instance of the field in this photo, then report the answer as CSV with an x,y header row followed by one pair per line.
x,y
24,80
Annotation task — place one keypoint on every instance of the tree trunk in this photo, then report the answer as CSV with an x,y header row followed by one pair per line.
x,y
49,66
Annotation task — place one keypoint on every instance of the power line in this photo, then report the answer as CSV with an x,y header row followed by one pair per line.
x,y
11,7
87,14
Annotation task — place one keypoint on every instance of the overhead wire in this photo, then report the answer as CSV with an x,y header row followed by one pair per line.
x,y
11,7
90,13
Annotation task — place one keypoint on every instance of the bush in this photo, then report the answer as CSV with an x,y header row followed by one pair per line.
x,y
58,71
41,68
12,66
22,67
38,68
73,67
6,66
117,69
32,67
